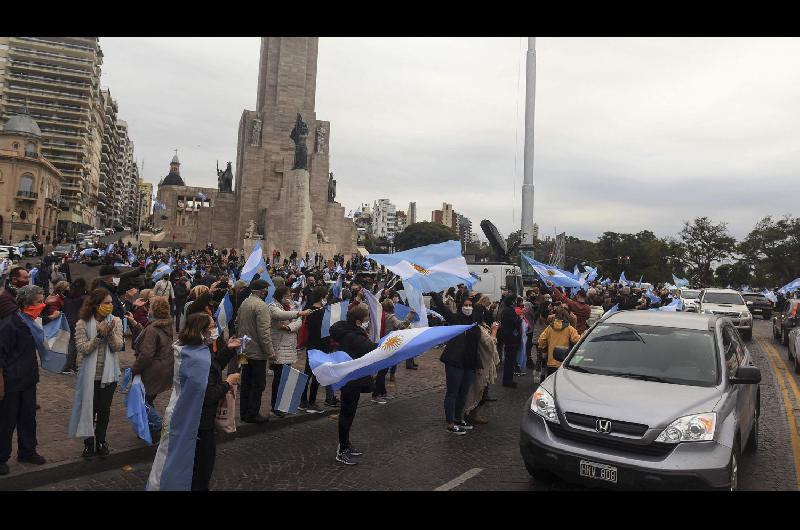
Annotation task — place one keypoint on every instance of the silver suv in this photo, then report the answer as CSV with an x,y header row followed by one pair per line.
x,y
728,303
646,399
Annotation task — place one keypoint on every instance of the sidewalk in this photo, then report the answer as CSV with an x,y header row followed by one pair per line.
x,y
55,394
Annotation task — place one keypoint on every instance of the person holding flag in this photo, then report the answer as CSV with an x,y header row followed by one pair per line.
x,y
19,375
308,401
285,325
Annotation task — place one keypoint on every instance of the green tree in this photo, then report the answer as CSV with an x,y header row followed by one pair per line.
x,y
733,274
706,243
772,248
421,234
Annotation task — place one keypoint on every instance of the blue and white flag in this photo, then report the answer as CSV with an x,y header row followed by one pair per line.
x,y
639,285
337,287
224,313
431,312
148,261
333,313
136,406
431,268
160,271
338,368
299,282
576,271
653,297
171,262
375,315
522,354
791,286
52,341
416,301
131,256
680,282
549,273
675,305
174,462
339,269
32,276
592,273
622,279
769,295
290,389
255,264
401,311
110,248
302,264
202,196
611,311
607,281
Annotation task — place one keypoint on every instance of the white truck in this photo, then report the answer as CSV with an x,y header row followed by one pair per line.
x,y
495,275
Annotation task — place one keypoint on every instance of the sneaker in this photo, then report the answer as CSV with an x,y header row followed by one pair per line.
x,y
379,400
314,409
4,470
387,396
279,414
88,450
35,459
302,406
345,458
350,450
464,425
456,430
103,449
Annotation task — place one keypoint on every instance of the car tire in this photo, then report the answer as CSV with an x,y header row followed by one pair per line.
x,y
748,335
785,338
733,467
775,333
539,473
752,441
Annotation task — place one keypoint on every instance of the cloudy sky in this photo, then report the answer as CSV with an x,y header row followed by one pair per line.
x,y
631,133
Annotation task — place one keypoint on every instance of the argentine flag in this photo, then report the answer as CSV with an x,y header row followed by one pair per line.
x,y
769,295
110,248
174,461
290,389
552,274
148,261
160,271
52,341
622,279
131,256
676,305
679,282
375,315
612,310
653,297
135,405
333,313
224,313
337,287
337,368
431,268
254,265
592,273
791,286
401,311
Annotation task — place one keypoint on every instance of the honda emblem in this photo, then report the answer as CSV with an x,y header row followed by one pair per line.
x,y
603,426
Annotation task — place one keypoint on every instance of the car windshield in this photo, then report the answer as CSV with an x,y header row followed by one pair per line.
x,y
723,298
64,247
690,295
649,353
754,297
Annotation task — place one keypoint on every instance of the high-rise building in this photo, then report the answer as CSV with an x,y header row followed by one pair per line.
x,y
401,221
58,78
445,216
412,213
384,219
535,231
464,228
130,176
110,184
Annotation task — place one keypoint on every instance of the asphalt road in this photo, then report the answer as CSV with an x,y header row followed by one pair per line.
x,y
407,448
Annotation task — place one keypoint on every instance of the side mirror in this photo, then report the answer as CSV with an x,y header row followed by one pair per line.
x,y
560,353
746,375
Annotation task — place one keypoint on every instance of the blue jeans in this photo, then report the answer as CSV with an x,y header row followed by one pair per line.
x,y
459,382
154,420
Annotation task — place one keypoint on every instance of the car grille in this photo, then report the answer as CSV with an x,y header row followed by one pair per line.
x,y
734,314
617,427
652,449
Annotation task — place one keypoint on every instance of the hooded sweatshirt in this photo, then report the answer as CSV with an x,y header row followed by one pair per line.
x,y
558,333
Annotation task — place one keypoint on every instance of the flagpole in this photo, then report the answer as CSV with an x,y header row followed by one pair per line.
x,y
527,183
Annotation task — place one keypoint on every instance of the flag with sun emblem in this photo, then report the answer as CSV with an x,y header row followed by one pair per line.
x,y
338,368
431,268
548,273
254,265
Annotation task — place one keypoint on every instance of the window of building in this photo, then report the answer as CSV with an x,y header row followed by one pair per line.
x,y
30,149
26,183
23,215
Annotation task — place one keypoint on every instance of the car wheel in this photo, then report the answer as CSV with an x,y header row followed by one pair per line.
x,y
539,473
748,335
775,333
785,338
733,468
752,441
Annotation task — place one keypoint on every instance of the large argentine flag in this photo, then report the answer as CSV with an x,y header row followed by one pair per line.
x,y
791,286
161,270
431,268
224,313
333,313
52,341
552,274
172,467
290,389
375,315
254,265
337,368
401,311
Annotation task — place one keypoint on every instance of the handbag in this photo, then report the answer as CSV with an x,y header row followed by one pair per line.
x,y
225,419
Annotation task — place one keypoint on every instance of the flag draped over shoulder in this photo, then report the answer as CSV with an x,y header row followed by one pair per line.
x,y
333,313
338,368
224,313
174,461
290,389
549,273
52,341
431,268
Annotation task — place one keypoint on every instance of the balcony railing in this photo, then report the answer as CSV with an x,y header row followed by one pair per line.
x,y
57,43
27,195
58,56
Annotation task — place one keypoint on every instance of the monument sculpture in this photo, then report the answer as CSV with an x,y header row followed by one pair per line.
x,y
321,140
225,179
331,188
299,136
320,234
255,133
251,233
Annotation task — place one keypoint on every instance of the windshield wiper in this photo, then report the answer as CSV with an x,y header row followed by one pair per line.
x,y
580,369
642,377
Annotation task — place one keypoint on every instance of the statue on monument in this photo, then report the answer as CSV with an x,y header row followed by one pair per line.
x,y
225,179
250,233
255,133
331,188
299,136
320,234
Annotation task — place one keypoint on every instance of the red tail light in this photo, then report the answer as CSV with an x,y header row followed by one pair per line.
x,y
794,311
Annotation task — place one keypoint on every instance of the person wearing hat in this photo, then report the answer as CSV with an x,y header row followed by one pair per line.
x,y
108,280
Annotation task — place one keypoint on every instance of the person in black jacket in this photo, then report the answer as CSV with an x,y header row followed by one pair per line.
x,y
510,326
351,335
201,329
308,400
461,360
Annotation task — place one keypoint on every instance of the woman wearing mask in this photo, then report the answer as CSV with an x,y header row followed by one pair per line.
x,y
55,302
72,305
285,322
489,358
559,333
460,358
98,338
154,358
141,307
351,335
390,323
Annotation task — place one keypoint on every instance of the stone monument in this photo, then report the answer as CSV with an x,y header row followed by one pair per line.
x,y
225,179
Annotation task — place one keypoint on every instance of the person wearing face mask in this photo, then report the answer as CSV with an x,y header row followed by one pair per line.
x,y
511,337
19,375
461,360
18,277
559,333
285,322
487,374
154,358
108,280
98,338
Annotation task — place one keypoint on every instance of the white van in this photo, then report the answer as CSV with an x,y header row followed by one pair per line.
x,y
493,276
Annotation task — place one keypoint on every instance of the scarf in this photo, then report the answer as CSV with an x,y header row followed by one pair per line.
x,y
81,423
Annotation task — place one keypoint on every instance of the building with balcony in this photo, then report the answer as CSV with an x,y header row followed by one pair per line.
x,y
57,80
401,221
30,185
384,219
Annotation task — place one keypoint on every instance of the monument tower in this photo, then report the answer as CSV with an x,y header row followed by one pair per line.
x,y
292,204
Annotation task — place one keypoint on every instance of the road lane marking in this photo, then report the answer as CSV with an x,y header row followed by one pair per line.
x,y
459,480
788,407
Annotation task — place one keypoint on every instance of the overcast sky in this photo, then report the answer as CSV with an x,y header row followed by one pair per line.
x,y
631,134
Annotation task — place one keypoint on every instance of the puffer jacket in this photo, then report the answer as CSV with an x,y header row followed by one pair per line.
x,y
253,320
284,342
558,333
155,360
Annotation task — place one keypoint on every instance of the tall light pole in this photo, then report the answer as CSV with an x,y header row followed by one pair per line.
x,y
527,183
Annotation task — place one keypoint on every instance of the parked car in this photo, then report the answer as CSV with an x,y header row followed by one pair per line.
x,y
794,337
28,248
10,252
728,303
63,250
785,320
126,228
758,304
108,231
697,405
690,299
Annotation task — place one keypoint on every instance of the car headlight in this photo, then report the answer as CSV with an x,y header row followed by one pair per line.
x,y
694,428
745,314
544,405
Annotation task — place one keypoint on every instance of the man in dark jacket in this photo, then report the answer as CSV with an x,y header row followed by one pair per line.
x,y
106,281
17,277
352,338
510,332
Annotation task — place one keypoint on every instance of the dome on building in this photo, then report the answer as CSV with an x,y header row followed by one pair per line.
x,y
175,159
174,176
22,123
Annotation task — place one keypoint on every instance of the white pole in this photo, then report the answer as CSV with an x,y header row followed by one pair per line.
x,y
527,183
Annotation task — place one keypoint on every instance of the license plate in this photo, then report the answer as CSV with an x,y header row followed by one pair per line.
x,y
598,471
